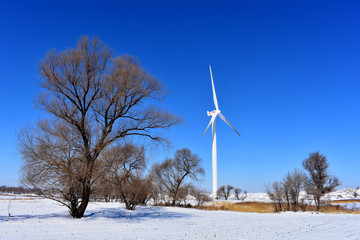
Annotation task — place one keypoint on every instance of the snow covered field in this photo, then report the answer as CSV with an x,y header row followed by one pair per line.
x,y
45,219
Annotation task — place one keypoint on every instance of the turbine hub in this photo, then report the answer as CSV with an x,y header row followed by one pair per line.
x,y
215,112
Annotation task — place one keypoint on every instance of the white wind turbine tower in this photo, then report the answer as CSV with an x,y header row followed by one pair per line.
x,y
212,122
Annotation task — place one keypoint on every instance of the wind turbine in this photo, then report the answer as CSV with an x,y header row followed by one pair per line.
x,y
212,122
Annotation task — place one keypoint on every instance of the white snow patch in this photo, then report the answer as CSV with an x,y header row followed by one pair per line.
x,y
45,219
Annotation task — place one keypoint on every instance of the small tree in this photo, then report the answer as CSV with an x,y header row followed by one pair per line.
x,y
228,189
285,188
201,196
134,191
124,164
220,192
183,194
224,191
297,180
242,198
319,181
276,194
238,195
292,183
237,192
172,173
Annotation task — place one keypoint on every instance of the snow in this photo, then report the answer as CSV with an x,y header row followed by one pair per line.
x,y
37,218
254,197
343,194
350,206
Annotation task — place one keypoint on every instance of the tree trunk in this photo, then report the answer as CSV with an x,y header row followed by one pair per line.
x,y
174,199
317,202
74,201
78,211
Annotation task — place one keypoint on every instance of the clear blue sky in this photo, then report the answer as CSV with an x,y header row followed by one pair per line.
x,y
287,76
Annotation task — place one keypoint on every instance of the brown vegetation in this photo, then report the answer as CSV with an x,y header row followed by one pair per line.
x,y
346,201
266,207
256,207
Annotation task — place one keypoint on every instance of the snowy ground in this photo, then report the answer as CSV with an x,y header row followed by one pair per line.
x,y
45,219
341,194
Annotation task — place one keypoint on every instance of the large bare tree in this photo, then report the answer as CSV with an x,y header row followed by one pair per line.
x,y
319,181
99,99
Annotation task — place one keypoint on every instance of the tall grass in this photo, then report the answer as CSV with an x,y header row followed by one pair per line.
x,y
258,207
265,207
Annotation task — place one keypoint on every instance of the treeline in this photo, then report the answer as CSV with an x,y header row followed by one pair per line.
x,y
17,190
121,178
167,183
316,181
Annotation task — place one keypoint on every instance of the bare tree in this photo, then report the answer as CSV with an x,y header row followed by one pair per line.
x,y
285,187
220,192
238,195
228,189
242,198
183,194
224,191
237,192
296,183
99,99
276,194
319,181
124,165
285,194
200,195
52,162
134,191
172,173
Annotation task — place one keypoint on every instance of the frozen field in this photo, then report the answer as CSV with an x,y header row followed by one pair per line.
x,y
45,219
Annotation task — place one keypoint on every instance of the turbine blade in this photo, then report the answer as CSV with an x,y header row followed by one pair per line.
x,y
211,121
223,118
213,88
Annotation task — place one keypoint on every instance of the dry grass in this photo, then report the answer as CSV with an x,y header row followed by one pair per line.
x,y
258,207
346,201
264,207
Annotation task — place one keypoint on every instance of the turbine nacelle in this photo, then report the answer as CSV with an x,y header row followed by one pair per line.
x,y
213,113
